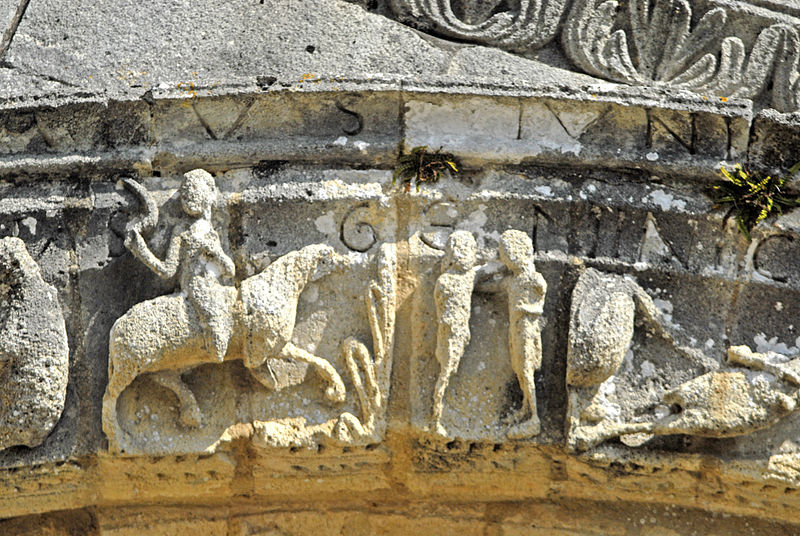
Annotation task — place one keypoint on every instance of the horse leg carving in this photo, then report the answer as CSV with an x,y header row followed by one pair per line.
x,y
335,391
190,414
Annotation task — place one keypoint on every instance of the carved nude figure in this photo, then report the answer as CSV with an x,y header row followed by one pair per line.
x,y
525,288
209,321
453,296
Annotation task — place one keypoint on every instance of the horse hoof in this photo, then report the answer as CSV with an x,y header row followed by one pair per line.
x,y
335,393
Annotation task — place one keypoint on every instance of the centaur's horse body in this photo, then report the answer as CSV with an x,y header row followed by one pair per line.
x,y
164,336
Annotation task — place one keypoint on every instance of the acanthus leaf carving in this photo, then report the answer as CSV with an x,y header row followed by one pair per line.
x,y
662,49
530,25
646,42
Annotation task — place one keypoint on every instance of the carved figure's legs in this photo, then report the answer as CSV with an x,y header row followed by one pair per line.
x,y
450,346
335,391
525,347
438,401
190,414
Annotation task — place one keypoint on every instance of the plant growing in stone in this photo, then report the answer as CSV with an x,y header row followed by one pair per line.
x,y
423,165
753,198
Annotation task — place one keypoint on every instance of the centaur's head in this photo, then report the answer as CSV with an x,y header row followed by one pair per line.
x,y
198,193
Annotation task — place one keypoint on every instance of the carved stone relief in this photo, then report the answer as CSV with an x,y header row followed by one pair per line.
x,y
526,26
515,283
165,349
662,49
751,392
34,354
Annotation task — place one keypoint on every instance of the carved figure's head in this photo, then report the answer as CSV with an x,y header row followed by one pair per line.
x,y
198,193
516,249
461,251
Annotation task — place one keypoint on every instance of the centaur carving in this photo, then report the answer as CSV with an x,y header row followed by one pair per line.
x,y
209,321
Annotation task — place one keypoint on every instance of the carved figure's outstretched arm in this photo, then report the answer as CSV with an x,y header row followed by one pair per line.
x,y
145,223
165,269
487,282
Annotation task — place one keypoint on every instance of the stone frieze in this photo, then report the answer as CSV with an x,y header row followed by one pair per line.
x,y
170,352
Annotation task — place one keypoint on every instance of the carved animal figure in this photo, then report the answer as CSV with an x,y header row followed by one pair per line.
x,y
170,335
754,394
601,325
604,308
163,335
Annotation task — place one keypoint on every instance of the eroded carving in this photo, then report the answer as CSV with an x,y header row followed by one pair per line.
x,y
453,297
370,375
641,42
526,25
604,313
34,354
211,321
752,392
523,288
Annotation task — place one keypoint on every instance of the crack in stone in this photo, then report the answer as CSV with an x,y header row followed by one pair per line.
x,y
11,31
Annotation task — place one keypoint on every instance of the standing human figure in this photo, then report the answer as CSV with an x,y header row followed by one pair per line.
x,y
453,296
526,289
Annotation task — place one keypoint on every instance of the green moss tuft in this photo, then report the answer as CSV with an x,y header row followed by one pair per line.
x,y
752,198
421,165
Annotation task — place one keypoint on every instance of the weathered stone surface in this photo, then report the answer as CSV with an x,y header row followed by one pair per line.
x,y
559,331
35,355
272,322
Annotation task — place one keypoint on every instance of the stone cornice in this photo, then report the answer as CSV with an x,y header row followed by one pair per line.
x,y
362,122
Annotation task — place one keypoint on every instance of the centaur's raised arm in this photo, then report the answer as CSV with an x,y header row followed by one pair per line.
x,y
166,268
145,224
